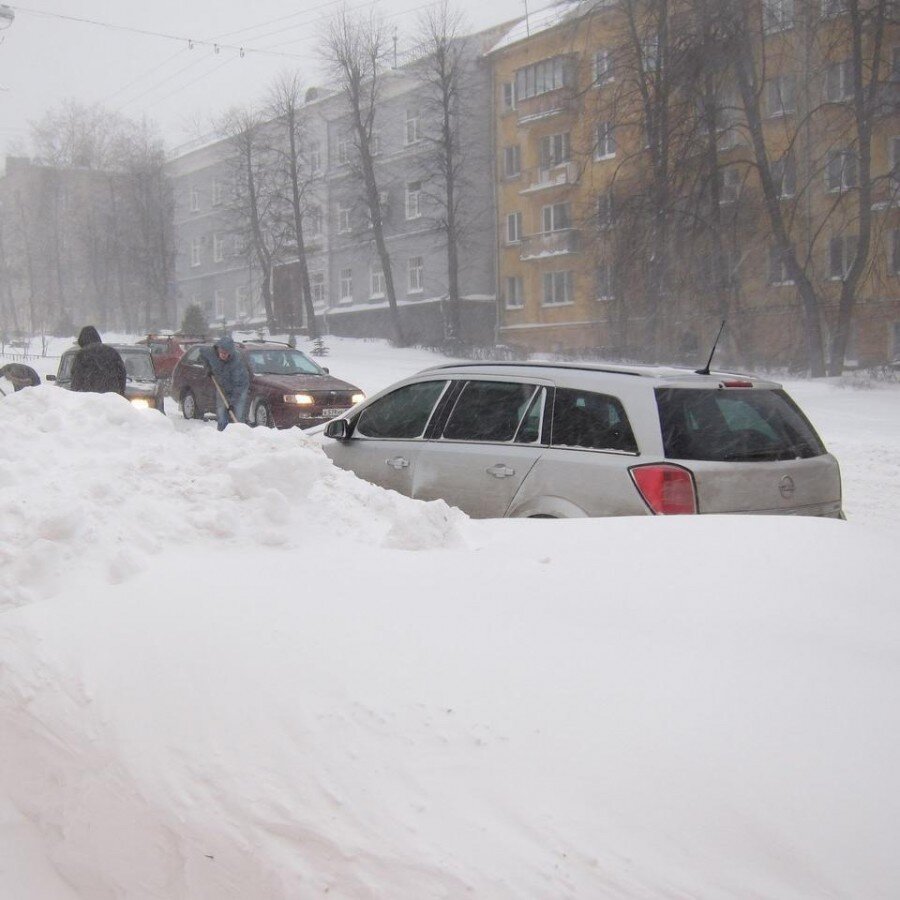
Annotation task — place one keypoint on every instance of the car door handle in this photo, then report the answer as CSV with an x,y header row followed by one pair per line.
x,y
398,462
500,471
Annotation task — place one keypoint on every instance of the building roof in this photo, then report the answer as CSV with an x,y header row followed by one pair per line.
x,y
546,18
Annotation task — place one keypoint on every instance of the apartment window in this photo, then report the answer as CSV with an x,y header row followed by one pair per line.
x,y
540,78
894,160
841,170
413,135
315,157
346,281
195,200
604,277
555,149
895,341
343,149
218,248
605,210
343,216
831,8
778,273
895,63
841,253
413,199
555,218
314,221
895,251
839,81
514,298
650,54
512,161
414,269
557,288
509,96
317,289
376,281
374,142
219,304
781,95
729,184
778,15
216,192
514,228
195,251
784,174
242,301
603,70
606,141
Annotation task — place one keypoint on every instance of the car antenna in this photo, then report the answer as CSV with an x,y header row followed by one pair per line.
x,y
705,369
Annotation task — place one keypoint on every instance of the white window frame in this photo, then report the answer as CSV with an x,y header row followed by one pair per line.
x,y
650,54
833,186
559,284
847,242
513,295
314,220
194,199
219,303
196,252
555,149
415,271
343,218
780,277
606,141
374,142
606,218
603,276
216,192
314,157
377,281
343,150
512,161
784,174
509,96
729,185
412,132
318,289
779,89
345,284
603,67
413,200
558,216
894,160
514,228
218,248
844,81
242,301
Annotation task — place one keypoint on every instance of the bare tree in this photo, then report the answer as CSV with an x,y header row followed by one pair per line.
x,y
445,57
355,49
290,148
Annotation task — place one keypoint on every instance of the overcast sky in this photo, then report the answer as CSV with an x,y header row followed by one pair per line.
x,y
45,59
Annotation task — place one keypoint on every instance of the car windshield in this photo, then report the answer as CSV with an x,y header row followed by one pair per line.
x,y
281,362
138,366
741,425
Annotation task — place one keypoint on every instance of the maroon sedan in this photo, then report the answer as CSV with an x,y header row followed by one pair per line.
x,y
286,387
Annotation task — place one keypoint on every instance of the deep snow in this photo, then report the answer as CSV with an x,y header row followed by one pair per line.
x,y
229,670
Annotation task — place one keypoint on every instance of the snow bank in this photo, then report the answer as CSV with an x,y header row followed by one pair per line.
x,y
88,483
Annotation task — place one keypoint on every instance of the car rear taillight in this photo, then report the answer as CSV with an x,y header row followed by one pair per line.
x,y
668,490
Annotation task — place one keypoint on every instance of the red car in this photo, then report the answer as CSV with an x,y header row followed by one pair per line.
x,y
167,349
286,387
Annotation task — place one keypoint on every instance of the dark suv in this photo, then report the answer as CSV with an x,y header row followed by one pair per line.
x,y
142,386
286,387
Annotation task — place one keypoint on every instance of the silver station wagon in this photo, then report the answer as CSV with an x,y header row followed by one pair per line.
x,y
569,440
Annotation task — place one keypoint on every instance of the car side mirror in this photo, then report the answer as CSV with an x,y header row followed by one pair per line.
x,y
49,378
325,370
338,429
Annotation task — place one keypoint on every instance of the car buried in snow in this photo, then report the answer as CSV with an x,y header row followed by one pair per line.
x,y
142,386
287,388
572,440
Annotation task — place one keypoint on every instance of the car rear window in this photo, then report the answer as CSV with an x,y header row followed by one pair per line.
x,y
738,425
591,421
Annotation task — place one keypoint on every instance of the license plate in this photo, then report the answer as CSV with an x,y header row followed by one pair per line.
x,y
331,413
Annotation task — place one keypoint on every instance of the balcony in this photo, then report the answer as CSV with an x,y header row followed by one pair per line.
x,y
544,177
551,243
543,106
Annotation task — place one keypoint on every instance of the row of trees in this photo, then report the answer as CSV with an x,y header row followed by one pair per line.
x,y
276,172
86,226
746,139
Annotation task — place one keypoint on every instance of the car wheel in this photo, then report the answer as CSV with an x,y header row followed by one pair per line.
x,y
189,406
262,415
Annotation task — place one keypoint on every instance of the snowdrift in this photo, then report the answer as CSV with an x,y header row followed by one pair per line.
x,y
232,671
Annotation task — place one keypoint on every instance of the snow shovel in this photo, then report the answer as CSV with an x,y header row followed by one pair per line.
x,y
224,398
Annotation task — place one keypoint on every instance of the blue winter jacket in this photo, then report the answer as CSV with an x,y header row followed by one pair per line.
x,y
232,375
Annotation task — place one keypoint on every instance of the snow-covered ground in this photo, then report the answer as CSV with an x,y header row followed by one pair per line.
x,y
229,670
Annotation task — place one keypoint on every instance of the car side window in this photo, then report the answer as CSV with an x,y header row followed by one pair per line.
x,y
530,430
65,367
489,411
403,413
192,357
592,421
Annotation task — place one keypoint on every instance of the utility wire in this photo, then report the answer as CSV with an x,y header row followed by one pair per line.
x,y
191,42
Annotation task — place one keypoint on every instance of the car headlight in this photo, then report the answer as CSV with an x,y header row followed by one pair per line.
x,y
299,399
140,403
357,398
